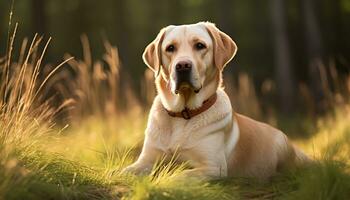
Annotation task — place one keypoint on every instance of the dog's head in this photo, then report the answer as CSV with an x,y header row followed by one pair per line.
x,y
188,55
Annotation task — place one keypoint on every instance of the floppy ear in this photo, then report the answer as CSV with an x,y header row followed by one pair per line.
x,y
223,46
152,54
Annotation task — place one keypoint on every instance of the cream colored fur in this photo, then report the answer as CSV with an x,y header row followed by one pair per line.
x,y
217,142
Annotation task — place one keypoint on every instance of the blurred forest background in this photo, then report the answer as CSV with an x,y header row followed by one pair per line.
x,y
291,50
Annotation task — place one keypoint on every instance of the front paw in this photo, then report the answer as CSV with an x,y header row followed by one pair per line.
x,y
137,170
129,170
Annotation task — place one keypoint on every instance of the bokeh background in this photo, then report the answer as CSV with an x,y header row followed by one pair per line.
x,y
290,51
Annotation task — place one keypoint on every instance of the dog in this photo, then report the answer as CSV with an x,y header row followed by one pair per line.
x,y
192,115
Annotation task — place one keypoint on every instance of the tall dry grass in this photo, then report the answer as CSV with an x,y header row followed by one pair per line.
x,y
20,89
25,117
93,88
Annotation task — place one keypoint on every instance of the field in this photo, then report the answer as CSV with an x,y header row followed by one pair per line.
x,y
81,157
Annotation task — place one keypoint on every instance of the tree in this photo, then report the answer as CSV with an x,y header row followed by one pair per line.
x,y
314,52
283,65
38,16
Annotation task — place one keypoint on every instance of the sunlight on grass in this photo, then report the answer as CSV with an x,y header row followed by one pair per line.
x,y
332,138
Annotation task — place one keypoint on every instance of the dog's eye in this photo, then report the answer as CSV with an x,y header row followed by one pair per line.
x,y
170,48
200,46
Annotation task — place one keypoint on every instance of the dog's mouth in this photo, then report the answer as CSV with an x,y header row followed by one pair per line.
x,y
181,87
184,83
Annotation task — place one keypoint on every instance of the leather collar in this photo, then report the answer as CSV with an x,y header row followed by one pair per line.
x,y
189,113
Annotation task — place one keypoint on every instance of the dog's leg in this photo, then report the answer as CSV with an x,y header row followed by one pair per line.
x,y
209,165
145,162
206,172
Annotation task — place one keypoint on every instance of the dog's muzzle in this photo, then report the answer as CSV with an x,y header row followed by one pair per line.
x,y
183,78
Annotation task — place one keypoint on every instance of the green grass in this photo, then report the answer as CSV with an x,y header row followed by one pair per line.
x,y
84,163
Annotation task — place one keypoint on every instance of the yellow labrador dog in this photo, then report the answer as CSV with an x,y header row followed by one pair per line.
x,y
192,114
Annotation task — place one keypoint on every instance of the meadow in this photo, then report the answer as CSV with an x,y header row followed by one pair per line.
x,y
77,148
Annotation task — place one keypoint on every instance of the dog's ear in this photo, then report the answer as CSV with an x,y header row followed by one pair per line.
x,y
152,54
223,46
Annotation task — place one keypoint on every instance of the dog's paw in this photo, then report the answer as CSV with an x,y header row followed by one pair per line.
x,y
136,170
128,170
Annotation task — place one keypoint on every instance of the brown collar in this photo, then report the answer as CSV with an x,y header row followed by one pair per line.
x,y
188,113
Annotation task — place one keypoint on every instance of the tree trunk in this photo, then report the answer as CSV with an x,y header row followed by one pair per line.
x,y
38,16
123,33
225,8
314,53
284,74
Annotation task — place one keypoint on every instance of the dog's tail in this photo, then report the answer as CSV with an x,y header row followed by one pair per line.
x,y
301,159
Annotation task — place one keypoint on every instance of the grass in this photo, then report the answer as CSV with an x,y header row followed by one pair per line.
x,y
41,159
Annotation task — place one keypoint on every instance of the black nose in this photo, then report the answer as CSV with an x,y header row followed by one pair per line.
x,y
183,66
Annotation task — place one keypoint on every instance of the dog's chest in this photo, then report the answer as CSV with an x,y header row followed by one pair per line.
x,y
179,135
